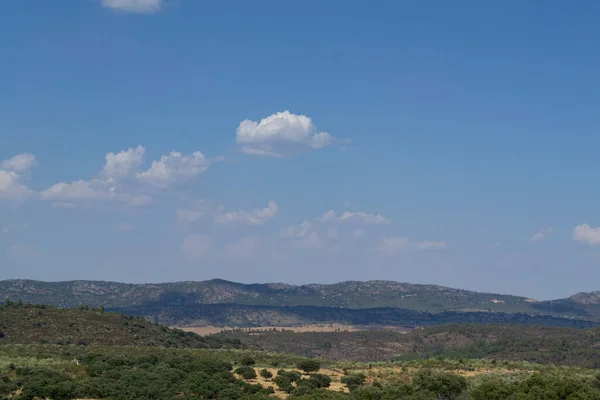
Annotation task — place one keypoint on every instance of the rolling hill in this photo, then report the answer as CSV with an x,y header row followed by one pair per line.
x,y
36,324
351,294
539,344
197,302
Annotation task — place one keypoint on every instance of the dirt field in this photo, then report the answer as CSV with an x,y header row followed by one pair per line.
x,y
209,330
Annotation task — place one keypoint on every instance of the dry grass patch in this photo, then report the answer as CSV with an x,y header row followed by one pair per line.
x,y
334,374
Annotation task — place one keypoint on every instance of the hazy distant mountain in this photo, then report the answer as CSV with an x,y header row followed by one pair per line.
x,y
586,298
349,294
179,298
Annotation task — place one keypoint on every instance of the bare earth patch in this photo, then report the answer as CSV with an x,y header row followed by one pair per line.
x,y
210,329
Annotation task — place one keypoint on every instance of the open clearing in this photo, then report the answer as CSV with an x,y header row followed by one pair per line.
x,y
334,374
210,330
384,374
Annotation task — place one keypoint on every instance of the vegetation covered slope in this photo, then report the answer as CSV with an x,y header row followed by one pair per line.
x,y
234,315
165,298
350,294
27,324
547,345
67,372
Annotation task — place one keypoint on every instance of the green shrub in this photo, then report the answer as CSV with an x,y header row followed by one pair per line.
x,y
353,381
309,366
246,372
266,374
319,381
247,360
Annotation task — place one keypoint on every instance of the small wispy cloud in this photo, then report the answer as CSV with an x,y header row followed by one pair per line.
x,y
134,6
254,217
431,245
358,217
540,235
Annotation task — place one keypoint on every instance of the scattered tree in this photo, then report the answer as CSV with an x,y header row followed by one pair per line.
x,y
309,366
265,373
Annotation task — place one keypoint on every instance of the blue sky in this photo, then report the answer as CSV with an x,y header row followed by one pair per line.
x,y
452,143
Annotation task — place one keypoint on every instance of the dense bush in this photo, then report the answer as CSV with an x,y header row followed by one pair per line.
x,y
309,366
154,376
265,373
353,381
445,385
247,360
319,381
246,372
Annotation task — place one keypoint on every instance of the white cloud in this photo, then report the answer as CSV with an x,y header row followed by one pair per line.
x,y
11,171
359,233
586,234
431,245
10,187
540,235
242,249
78,190
260,152
296,230
281,134
359,217
197,247
254,217
136,6
392,245
174,168
123,164
19,163
121,179
94,189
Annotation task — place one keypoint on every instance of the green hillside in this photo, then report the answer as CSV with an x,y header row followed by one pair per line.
x,y
349,294
254,316
539,344
167,299
31,324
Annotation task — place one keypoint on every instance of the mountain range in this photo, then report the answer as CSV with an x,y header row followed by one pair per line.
x,y
200,302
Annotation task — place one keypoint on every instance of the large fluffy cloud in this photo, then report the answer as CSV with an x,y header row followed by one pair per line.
x,y
587,234
174,168
254,217
279,135
19,163
11,176
124,163
10,187
122,180
137,6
